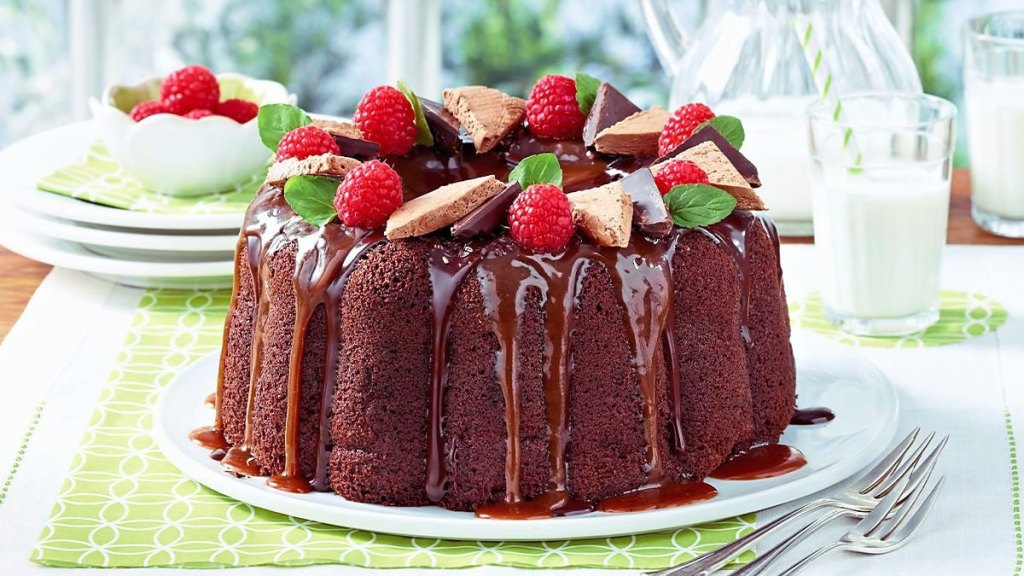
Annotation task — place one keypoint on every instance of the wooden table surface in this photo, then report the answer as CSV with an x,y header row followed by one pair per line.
x,y
19,276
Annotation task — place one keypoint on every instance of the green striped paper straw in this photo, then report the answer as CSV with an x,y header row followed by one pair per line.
x,y
822,77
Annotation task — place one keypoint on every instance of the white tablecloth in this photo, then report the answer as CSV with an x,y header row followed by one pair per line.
x,y
63,346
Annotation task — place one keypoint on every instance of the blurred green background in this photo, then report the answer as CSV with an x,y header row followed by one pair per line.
x,y
330,52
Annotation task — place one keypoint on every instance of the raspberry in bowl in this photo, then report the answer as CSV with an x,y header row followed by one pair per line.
x,y
189,134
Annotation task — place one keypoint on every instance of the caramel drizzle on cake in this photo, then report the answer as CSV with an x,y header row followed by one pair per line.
x,y
641,273
322,259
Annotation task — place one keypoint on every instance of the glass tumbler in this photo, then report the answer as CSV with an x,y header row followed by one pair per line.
x,y
994,100
880,187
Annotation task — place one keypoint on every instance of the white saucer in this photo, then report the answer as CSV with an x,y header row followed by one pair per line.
x,y
124,242
138,272
865,404
26,161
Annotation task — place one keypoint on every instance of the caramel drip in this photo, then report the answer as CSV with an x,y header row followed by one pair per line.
x,y
675,384
324,256
731,234
641,274
338,270
504,304
768,461
812,416
505,280
446,267
662,495
267,225
208,438
643,278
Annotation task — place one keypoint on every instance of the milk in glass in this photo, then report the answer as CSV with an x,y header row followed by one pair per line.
x,y
995,133
880,242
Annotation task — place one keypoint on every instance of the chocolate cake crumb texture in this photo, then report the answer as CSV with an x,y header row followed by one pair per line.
x,y
440,363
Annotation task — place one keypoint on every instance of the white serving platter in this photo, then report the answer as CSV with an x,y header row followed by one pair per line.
x,y
864,401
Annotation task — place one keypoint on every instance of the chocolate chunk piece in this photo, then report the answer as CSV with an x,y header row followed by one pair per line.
x,y
610,107
440,208
649,212
488,115
708,134
488,216
604,214
637,135
721,173
445,127
349,138
322,165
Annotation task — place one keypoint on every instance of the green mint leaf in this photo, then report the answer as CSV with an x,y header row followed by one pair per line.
x,y
423,135
693,205
537,169
276,120
312,198
729,127
586,91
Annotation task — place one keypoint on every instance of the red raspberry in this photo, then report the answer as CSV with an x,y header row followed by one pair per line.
x,y
240,111
676,172
385,116
368,195
190,88
144,110
540,218
552,108
198,113
304,142
681,125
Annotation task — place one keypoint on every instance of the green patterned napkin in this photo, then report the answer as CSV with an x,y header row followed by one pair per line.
x,y
99,179
124,505
962,316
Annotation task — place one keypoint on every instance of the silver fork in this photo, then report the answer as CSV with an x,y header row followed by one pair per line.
x,y
895,502
861,495
894,535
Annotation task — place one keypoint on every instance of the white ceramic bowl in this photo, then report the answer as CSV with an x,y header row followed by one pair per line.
x,y
183,157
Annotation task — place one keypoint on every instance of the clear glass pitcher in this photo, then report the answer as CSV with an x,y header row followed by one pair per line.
x,y
748,59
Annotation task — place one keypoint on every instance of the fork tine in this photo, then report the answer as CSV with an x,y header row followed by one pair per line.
x,y
923,471
875,545
899,534
905,468
900,513
886,465
881,511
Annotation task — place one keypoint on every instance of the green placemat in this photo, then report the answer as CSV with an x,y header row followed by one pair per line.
x,y
99,179
962,316
124,505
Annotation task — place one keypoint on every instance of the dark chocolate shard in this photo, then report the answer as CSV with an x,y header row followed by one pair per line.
x,y
445,127
610,107
744,166
650,215
488,216
356,148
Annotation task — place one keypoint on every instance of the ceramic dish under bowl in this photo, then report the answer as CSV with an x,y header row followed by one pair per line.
x,y
180,156
26,161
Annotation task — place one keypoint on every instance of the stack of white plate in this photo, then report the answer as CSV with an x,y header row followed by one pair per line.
x,y
134,248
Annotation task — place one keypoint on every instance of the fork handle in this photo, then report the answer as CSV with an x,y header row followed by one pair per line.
x,y
712,561
762,563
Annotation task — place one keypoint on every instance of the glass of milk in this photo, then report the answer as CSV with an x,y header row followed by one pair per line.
x,y
994,98
880,192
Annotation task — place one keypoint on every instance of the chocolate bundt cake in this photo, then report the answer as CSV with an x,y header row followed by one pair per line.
x,y
447,364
